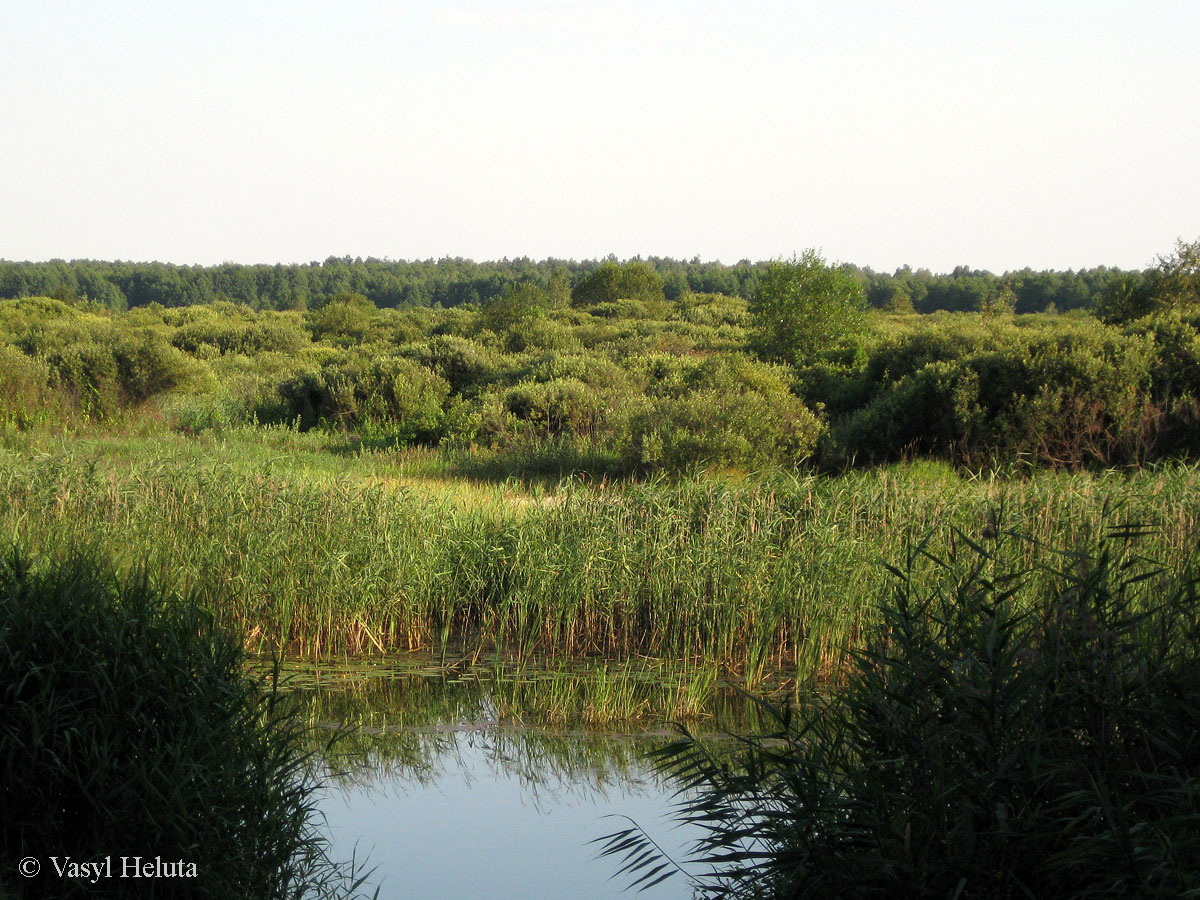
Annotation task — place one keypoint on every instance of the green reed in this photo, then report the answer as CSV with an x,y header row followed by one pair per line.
x,y
129,726
753,577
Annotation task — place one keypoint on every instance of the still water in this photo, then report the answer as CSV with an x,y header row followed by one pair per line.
x,y
449,791
497,817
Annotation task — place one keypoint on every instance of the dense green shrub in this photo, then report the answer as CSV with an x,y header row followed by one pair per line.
x,y
803,307
514,306
248,338
26,396
1176,367
344,321
128,727
992,741
725,411
466,365
540,333
594,369
99,365
612,281
1063,397
1171,286
978,390
713,309
555,407
393,396
31,315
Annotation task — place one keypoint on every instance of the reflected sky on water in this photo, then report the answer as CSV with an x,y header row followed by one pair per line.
x,y
503,814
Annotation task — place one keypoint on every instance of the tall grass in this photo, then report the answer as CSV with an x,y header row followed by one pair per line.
x,y
128,727
754,576
1000,736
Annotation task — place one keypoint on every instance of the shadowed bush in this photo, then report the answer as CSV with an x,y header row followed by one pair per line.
x,y
128,728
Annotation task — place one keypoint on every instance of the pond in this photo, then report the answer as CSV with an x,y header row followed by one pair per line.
x,y
448,790
495,814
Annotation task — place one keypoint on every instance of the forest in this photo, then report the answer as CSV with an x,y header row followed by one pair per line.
x,y
453,282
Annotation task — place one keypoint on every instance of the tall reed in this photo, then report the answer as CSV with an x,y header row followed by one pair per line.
x,y
129,728
1001,734
753,576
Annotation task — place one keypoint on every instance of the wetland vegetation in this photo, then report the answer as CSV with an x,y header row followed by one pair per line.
x,y
597,496
130,729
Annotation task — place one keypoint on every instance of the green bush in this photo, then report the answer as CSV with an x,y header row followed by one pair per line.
x,y
540,333
725,411
247,338
395,397
31,315
1172,285
1061,397
100,364
556,407
991,741
465,364
513,306
26,396
612,281
713,309
345,321
804,307
128,727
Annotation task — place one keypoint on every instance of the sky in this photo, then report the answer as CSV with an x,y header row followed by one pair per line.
x,y
930,133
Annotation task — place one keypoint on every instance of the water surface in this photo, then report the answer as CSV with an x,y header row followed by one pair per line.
x,y
495,815
450,789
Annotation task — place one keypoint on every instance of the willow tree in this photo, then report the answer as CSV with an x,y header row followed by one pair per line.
x,y
804,306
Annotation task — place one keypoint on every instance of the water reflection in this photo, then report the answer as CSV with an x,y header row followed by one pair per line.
x,y
502,815
448,799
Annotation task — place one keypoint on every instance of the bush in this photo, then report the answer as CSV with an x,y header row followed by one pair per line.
x,y
26,397
466,365
804,307
612,281
727,411
1172,285
989,743
248,338
556,407
399,398
1062,397
128,727
345,320
713,309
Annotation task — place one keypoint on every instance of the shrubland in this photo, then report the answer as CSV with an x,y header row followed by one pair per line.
x,y
611,377
696,479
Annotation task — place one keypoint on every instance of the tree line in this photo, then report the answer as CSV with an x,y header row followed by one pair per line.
x,y
452,282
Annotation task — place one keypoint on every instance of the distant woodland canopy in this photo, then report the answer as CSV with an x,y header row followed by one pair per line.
x,y
454,282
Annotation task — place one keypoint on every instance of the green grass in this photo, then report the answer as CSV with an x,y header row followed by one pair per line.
x,y
130,727
312,551
1027,732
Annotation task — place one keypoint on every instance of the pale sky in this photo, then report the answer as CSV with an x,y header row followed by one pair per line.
x,y
1048,133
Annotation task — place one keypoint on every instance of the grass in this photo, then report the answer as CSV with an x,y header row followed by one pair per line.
x,y
307,550
1002,733
130,728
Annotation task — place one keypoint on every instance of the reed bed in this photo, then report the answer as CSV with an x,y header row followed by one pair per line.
x,y
757,576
